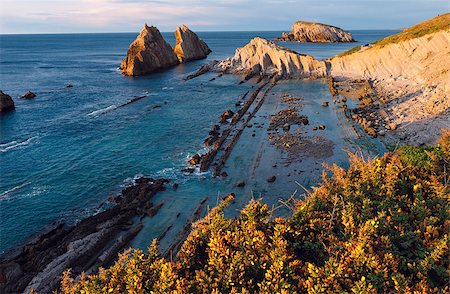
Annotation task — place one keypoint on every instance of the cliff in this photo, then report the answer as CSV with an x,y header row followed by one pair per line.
x,y
189,46
261,56
411,72
303,31
148,53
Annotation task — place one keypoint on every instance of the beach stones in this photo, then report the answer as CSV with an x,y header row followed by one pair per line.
x,y
271,179
28,95
6,103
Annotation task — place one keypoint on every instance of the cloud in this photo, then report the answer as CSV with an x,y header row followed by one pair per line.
x,y
28,16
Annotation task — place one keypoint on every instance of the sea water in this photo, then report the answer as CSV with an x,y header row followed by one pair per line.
x,y
65,152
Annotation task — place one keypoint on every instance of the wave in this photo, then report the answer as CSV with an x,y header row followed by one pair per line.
x,y
5,147
103,110
113,107
5,195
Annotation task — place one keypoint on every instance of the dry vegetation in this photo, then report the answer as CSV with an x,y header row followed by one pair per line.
x,y
380,226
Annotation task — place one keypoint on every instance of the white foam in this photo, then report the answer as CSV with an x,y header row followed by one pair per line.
x,y
15,144
103,110
5,195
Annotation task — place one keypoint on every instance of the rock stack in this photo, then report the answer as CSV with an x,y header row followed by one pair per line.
x,y
303,31
189,46
150,52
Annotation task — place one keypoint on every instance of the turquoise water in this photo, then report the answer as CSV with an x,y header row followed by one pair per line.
x,y
65,152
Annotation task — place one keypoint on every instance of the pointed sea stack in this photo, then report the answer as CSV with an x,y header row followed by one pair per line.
x,y
303,31
148,53
6,103
189,46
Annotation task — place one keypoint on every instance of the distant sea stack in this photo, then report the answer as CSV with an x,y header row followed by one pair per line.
x,y
189,46
148,53
303,31
263,57
6,103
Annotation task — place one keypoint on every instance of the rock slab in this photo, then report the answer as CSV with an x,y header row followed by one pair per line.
x,y
303,31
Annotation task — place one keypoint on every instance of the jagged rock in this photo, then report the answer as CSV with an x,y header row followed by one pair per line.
x,y
264,57
189,46
6,103
28,95
226,115
195,159
148,53
303,31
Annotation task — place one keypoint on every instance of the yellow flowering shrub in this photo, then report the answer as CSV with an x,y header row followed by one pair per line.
x,y
382,226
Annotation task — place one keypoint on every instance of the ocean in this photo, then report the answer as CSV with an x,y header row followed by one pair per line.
x,y
64,153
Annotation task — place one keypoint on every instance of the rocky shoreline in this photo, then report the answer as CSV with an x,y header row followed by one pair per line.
x,y
91,243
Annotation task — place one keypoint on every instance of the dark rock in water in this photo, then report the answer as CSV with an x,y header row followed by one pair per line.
x,y
271,179
321,127
28,95
189,170
240,184
286,127
314,128
325,104
152,211
156,106
212,79
216,127
6,103
305,121
224,174
195,159
175,186
226,115
69,86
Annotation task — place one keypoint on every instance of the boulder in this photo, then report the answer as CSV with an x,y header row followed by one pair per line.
x,y
195,159
189,46
325,104
240,184
226,115
271,179
303,31
28,95
148,53
6,103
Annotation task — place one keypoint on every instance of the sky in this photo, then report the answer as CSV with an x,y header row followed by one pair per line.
x,y
89,16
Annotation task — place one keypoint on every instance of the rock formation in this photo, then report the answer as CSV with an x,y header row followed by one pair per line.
x,y
189,46
148,53
264,57
410,73
303,31
6,103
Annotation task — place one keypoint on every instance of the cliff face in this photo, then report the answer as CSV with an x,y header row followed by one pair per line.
x,y
261,56
411,74
148,53
316,32
189,46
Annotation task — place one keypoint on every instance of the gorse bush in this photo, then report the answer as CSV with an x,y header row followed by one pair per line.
x,y
382,226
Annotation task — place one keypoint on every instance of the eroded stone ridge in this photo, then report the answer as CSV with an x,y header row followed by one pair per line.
x,y
148,53
189,46
264,57
316,32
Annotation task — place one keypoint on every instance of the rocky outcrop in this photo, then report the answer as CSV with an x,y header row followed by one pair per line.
x,y
411,78
93,242
148,53
303,31
264,57
6,103
189,46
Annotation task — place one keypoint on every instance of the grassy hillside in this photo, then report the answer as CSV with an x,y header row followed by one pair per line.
x,y
382,226
441,22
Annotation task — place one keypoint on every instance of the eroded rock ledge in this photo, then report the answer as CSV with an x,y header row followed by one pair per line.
x,y
303,31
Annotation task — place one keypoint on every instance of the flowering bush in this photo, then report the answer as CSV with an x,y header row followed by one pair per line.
x,y
381,226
